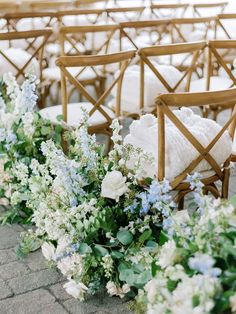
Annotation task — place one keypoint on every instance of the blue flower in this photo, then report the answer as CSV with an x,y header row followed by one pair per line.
x,y
203,263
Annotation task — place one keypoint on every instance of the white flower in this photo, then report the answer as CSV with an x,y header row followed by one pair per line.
x,y
125,288
48,251
113,185
168,254
112,288
77,290
232,300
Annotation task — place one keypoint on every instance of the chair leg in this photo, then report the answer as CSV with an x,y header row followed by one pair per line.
x,y
225,182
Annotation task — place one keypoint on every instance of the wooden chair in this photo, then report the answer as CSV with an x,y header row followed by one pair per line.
x,y
165,103
192,29
204,9
189,57
144,33
172,10
80,17
21,21
226,26
221,53
35,42
81,40
124,14
100,116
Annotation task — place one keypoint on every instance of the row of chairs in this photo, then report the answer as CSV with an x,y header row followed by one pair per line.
x,y
101,117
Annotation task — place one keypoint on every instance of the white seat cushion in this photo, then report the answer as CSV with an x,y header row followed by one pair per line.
x,y
53,74
19,57
179,152
130,95
216,83
75,114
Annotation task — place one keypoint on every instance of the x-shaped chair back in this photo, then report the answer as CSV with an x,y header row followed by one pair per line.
x,y
46,19
92,16
129,13
169,10
86,36
65,62
191,52
203,9
178,33
166,102
224,22
159,28
220,54
36,41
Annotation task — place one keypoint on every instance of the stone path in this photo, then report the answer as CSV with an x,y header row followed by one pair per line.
x,y
30,287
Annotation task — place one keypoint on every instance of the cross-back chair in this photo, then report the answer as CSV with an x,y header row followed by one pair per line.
x,y
189,56
80,17
226,26
100,116
220,71
203,9
138,34
165,104
21,21
192,29
82,40
19,61
124,14
171,10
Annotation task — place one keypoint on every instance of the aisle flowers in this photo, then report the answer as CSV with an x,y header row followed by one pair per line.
x,y
22,130
195,269
97,221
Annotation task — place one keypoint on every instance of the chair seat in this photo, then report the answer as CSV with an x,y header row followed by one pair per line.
x,y
216,83
53,73
75,114
19,57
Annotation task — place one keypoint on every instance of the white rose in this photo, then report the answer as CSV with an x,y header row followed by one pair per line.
x,y
48,251
76,290
113,185
112,288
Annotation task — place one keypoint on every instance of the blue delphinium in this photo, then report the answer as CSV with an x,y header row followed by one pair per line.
x,y
203,263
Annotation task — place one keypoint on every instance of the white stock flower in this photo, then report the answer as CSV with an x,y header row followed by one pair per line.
x,y
168,254
76,290
114,185
48,251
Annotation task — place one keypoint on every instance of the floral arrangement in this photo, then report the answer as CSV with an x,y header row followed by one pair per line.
x,y
195,269
22,130
97,223
104,223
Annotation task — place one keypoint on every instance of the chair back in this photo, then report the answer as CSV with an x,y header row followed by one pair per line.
x,y
38,6
205,9
121,14
176,10
165,104
192,29
95,63
189,57
226,25
88,40
79,17
144,33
